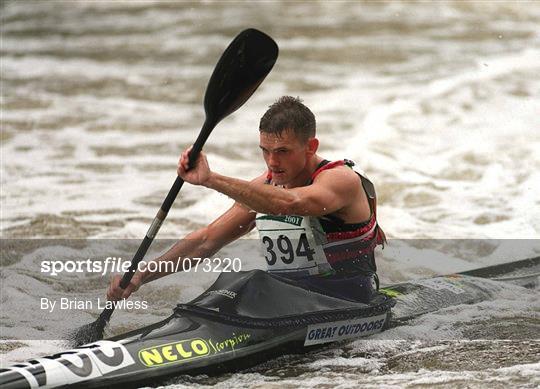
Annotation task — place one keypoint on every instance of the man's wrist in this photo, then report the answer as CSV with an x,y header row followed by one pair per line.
x,y
210,181
144,276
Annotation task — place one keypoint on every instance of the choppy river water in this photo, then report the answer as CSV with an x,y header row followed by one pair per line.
x,y
436,102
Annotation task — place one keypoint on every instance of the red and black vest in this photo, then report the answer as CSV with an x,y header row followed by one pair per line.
x,y
302,245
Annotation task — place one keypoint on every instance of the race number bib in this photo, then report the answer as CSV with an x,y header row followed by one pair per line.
x,y
292,244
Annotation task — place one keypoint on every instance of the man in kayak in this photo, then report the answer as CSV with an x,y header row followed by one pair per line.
x,y
316,219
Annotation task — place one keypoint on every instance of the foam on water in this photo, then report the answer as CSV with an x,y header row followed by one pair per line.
x,y
437,104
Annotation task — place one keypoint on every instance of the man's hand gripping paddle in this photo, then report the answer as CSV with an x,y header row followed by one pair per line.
x,y
240,70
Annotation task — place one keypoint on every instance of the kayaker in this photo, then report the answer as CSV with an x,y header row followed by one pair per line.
x,y
316,218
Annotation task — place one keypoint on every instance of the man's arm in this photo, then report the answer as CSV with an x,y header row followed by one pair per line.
x,y
330,192
202,243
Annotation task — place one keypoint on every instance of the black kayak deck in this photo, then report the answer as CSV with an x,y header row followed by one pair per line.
x,y
246,318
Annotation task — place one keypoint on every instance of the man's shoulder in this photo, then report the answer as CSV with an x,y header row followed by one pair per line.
x,y
342,174
259,179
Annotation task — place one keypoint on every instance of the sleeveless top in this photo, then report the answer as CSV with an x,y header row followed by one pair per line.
x,y
303,246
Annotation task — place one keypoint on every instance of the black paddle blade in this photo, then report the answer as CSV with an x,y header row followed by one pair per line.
x,y
88,333
240,70
92,332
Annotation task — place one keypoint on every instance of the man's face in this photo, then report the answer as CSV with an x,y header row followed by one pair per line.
x,y
285,155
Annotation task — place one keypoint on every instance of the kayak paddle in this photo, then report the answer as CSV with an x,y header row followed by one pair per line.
x,y
240,70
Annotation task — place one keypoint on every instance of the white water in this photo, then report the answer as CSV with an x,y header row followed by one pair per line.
x,y
437,103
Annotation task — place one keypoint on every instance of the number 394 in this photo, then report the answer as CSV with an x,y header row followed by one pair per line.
x,y
283,249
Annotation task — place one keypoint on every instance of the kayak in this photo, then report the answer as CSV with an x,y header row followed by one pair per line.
x,y
242,317
249,317
416,298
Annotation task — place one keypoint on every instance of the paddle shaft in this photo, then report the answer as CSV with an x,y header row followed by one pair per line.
x,y
207,128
